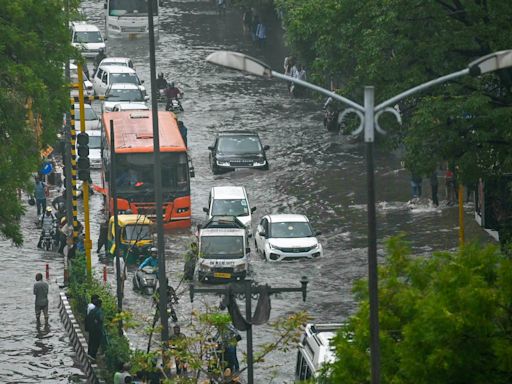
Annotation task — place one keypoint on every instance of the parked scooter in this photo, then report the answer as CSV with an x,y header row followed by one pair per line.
x,y
145,280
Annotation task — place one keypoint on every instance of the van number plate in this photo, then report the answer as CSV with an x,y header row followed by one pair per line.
x,y
222,275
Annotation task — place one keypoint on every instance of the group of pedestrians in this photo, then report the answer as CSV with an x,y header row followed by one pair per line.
x,y
296,70
253,24
449,184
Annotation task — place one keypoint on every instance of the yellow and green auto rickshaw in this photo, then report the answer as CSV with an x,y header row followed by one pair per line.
x,y
136,237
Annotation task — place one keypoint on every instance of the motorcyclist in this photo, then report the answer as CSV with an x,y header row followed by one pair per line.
x,y
172,93
161,83
151,260
47,222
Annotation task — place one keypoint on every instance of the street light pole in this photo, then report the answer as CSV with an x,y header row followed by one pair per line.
x,y
369,115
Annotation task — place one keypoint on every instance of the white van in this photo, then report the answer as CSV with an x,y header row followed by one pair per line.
x,y
105,76
230,201
314,350
223,250
87,38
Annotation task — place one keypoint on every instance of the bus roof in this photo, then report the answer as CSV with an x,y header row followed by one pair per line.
x,y
133,131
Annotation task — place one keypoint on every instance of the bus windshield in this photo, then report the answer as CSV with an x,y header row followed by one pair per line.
x,y
135,173
130,7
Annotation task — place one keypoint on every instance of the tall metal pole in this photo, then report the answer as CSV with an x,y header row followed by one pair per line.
x,y
248,316
113,190
369,132
460,191
85,185
158,181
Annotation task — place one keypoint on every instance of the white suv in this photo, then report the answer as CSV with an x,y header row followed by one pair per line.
x,y
286,237
111,74
87,38
230,201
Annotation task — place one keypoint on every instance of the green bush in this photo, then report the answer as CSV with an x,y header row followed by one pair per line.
x,y
81,288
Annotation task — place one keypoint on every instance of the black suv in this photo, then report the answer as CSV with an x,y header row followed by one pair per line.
x,y
237,149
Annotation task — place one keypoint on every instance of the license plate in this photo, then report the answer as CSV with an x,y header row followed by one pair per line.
x,y
222,275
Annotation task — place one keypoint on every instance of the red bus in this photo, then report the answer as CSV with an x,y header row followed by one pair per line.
x,y
133,138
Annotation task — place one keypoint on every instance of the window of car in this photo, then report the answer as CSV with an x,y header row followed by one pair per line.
x,y
88,37
124,78
125,95
230,207
99,73
264,224
291,230
104,78
136,232
89,114
239,144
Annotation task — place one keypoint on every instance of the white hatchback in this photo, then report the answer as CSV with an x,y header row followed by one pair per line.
x,y
286,237
230,201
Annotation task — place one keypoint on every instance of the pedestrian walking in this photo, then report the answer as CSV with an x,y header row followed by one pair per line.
x,y
40,193
221,7
449,182
175,342
102,237
96,330
91,306
254,26
229,338
434,185
247,19
416,185
123,372
261,34
41,293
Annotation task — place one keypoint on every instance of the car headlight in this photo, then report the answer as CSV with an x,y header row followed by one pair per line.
x,y
239,268
223,163
204,268
271,246
115,27
259,163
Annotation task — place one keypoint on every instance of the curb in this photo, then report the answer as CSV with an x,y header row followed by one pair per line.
x,y
77,340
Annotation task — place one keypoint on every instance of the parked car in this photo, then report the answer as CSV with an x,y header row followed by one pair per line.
x,y
286,237
237,149
230,201
73,76
122,92
87,38
92,121
122,61
111,74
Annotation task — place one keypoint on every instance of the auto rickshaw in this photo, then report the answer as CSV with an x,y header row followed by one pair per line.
x,y
135,237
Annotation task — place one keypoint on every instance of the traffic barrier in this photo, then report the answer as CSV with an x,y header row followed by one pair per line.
x,y
77,340
47,271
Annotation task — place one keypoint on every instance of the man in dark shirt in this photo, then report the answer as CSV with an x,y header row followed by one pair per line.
x,y
41,293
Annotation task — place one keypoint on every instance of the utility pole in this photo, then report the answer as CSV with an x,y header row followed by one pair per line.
x,y
247,289
164,318
113,189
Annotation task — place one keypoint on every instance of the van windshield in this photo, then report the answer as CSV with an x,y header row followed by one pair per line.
x,y
230,207
88,37
222,247
124,78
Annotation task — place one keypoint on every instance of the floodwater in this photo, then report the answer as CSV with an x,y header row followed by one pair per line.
x,y
312,171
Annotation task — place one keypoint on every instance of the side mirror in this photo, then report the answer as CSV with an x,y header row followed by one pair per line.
x,y
211,147
192,172
247,250
266,147
142,81
253,209
318,233
205,210
262,233
146,98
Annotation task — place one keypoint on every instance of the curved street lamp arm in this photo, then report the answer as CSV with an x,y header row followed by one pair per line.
x,y
391,102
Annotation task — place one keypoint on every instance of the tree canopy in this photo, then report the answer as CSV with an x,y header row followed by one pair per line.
x,y
34,45
397,44
443,319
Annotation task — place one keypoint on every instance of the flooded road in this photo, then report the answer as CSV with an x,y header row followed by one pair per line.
x,y
311,171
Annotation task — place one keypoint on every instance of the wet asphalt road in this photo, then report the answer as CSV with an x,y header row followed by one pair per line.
x,y
314,172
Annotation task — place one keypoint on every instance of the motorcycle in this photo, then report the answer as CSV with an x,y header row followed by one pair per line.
x,y
174,105
145,280
49,239
331,120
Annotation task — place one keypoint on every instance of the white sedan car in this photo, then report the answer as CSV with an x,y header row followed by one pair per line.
x,y
286,237
123,92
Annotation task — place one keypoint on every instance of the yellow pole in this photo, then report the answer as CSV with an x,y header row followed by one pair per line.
x,y
85,184
461,215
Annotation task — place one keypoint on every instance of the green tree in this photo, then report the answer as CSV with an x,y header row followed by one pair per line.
x,y
34,45
443,319
397,44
